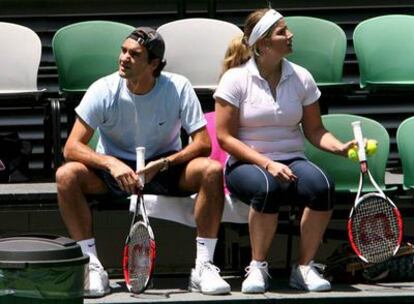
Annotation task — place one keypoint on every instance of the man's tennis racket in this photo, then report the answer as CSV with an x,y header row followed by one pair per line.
x,y
139,250
375,224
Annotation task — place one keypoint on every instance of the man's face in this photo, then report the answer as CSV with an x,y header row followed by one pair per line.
x,y
133,61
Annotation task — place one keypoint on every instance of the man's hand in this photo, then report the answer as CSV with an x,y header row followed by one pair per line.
x,y
126,177
152,169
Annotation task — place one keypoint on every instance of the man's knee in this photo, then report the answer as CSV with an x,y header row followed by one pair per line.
x,y
212,170
68,174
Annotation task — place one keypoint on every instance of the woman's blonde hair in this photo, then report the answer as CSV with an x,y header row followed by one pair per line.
x,y
238,52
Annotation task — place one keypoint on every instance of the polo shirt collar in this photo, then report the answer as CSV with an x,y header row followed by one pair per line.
x,y
287,69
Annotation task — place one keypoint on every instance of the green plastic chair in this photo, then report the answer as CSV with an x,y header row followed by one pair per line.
x,y
384,47
406,150
86,51
344,171
319,46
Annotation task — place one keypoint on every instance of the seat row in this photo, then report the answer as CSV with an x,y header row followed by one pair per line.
x,y
383,46
195,48
91,49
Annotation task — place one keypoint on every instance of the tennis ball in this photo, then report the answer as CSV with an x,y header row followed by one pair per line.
x,y
353,154
371,147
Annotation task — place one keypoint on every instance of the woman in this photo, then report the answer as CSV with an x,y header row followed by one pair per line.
x,y
261,101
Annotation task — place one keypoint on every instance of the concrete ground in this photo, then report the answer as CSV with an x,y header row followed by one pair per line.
x,y
173,290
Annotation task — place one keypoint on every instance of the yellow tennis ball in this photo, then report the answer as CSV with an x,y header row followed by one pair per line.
x,y
371,147
353,154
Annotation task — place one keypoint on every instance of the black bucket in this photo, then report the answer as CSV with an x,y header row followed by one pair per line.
x,y
41,269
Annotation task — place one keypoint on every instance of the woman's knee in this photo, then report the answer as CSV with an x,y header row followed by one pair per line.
x,y
323,195
265,198
255,187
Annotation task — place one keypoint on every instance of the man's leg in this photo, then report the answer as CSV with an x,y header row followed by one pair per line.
x,y
73,181
205,176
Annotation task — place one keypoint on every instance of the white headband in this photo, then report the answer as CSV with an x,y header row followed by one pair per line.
x,y
268,19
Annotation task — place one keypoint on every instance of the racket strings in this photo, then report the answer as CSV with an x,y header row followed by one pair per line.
x,y
375,229
139,252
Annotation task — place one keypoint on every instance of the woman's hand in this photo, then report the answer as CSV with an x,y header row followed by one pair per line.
x,y
370,146
346,147
280,171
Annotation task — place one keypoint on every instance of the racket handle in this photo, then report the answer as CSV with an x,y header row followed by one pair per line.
x,y
356,126
140,152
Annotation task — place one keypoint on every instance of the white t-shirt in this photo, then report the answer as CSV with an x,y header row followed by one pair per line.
x,y
269,122
153,120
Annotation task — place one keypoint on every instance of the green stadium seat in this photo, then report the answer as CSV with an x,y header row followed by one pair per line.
x,y
406,150
319,46
344,171
384,48
84,52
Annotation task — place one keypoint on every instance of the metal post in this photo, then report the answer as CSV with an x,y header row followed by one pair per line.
x,y
181,9
212,8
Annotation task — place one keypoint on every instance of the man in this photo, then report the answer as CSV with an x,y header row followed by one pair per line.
x,y
140,106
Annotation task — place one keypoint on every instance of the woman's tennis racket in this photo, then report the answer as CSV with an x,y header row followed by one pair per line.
x,y
139,250
375,224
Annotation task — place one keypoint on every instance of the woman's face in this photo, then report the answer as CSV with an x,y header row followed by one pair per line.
x,y
279,43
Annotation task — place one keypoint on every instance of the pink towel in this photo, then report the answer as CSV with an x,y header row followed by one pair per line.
x,y
216,152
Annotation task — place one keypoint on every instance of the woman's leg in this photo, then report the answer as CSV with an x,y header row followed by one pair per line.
x,y
312,227
262,228
261,191
256,187
315,191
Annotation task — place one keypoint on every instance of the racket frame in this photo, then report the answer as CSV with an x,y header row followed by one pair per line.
x,y
137,200
356,126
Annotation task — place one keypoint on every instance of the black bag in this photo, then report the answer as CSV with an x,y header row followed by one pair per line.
x,y
344,266
14,158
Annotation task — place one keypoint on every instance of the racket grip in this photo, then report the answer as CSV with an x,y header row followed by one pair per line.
x,y
356,127
140,153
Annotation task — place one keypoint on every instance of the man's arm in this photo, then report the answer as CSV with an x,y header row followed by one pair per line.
x,y
200,145
77,149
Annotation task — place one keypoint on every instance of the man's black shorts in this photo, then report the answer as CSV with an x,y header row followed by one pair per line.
x,y
166,182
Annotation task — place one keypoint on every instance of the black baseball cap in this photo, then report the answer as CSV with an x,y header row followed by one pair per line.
x,y
149,38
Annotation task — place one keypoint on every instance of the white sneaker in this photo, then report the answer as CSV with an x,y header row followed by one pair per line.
x,y
96,281
308,278
256,278
206,279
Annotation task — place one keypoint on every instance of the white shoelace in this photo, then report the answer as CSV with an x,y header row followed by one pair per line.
x,y
210,268
93,266
312,271
262,267
317,266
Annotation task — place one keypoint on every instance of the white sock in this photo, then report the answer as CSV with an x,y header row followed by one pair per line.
x,y
255,263
88,247
205,249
